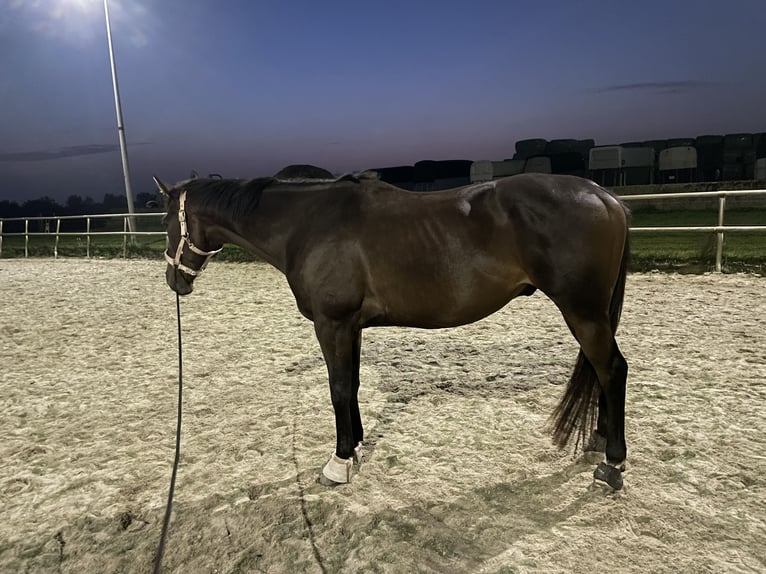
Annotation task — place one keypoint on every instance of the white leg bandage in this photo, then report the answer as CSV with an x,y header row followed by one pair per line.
x,y
338,469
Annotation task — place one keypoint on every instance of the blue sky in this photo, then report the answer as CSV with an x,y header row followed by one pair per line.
x,y
244,88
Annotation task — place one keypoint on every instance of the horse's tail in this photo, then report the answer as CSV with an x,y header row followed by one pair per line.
x,y
578,406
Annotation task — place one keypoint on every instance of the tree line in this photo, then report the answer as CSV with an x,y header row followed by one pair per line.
x,y
74,205
78,205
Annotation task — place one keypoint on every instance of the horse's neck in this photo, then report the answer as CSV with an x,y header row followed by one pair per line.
x,y
266,230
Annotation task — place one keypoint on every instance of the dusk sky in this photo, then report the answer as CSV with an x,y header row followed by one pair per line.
x,y
243,88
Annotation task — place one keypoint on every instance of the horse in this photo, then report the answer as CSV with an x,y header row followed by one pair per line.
x,y
358,252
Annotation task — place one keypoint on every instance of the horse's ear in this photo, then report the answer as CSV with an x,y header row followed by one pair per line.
x,y
161,186
194,174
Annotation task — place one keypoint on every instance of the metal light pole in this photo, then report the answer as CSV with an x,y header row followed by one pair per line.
x,y
120,128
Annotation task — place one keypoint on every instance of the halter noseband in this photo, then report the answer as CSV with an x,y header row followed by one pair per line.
x,y
176,261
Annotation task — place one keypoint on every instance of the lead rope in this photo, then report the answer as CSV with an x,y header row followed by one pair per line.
x,y
169,507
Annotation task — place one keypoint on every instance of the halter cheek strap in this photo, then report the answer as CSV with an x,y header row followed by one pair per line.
x,y
176,261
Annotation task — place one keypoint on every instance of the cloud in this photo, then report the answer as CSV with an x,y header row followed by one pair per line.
x,y
138,39
676,87
82,21
60,153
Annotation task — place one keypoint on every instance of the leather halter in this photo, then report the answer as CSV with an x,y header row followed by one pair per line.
x,y
176,261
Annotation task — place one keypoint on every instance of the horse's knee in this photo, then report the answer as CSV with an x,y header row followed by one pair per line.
x,y
340,398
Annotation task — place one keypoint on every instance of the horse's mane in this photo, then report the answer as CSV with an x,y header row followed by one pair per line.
x,y
226,197
235,197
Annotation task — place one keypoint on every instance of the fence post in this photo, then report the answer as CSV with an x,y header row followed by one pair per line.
x,y
719,247
56,245
87,237
124,237
1,237
26,238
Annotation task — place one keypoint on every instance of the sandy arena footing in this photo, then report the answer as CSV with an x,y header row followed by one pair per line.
x,y
460,474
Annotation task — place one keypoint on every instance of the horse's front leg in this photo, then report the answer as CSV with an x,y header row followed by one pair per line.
x,y
338,342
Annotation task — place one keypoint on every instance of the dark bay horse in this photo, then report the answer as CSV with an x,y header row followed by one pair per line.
x,y
358,252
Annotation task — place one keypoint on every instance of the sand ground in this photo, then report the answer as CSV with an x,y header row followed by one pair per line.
x,y
460,474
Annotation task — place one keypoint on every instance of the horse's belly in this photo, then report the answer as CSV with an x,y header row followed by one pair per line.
x,y
449,302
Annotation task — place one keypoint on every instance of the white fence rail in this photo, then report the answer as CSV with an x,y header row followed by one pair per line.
x,y
719,229
88,233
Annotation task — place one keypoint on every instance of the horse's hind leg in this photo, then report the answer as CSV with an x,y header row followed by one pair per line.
x,y
600,348
595,448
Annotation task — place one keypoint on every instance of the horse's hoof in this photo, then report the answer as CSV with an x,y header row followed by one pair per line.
x,y
358,454
337,470
609,475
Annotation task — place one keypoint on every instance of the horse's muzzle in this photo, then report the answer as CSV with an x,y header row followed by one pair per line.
x,y
178,281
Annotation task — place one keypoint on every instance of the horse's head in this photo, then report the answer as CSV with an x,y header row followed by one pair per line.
x,y
189,249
